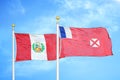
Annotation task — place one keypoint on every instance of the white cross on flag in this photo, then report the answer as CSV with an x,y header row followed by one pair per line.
x,y
94,42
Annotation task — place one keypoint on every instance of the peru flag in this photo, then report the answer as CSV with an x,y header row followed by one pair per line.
x,y
85,42
35,47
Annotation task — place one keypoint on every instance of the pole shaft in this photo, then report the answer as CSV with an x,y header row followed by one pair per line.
x,y
57,48
13,59
57,52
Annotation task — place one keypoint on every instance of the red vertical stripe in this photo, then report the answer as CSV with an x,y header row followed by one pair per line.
x,y
23,47
51,46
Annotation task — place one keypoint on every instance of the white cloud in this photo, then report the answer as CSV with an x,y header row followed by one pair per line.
x,y
88,5
80,13
16,7
86,13
73,4
76,13
117,1
69,4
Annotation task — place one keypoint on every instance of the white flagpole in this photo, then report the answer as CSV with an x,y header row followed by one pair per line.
x,y
57,47
13,54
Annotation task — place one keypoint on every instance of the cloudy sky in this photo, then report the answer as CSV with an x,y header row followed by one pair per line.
x,y
38,17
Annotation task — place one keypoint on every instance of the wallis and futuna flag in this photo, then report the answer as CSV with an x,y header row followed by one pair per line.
x,y
85,41
36,47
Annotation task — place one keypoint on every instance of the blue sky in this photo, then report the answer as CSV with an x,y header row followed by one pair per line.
x,y
38,17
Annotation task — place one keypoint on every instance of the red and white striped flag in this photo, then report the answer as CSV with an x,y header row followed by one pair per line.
x,y
35,47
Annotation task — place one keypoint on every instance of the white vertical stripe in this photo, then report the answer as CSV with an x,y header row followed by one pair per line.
x,y
40,40
68,32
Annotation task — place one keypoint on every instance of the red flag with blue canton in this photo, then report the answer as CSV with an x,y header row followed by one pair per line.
x,y
85,41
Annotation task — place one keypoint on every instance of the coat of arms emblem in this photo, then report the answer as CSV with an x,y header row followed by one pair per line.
x,y
38,47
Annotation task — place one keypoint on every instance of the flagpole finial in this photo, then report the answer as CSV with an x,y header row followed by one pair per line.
x,y
13,25
57,18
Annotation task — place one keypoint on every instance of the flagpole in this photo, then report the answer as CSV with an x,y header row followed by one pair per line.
x,y
13,54
57,47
